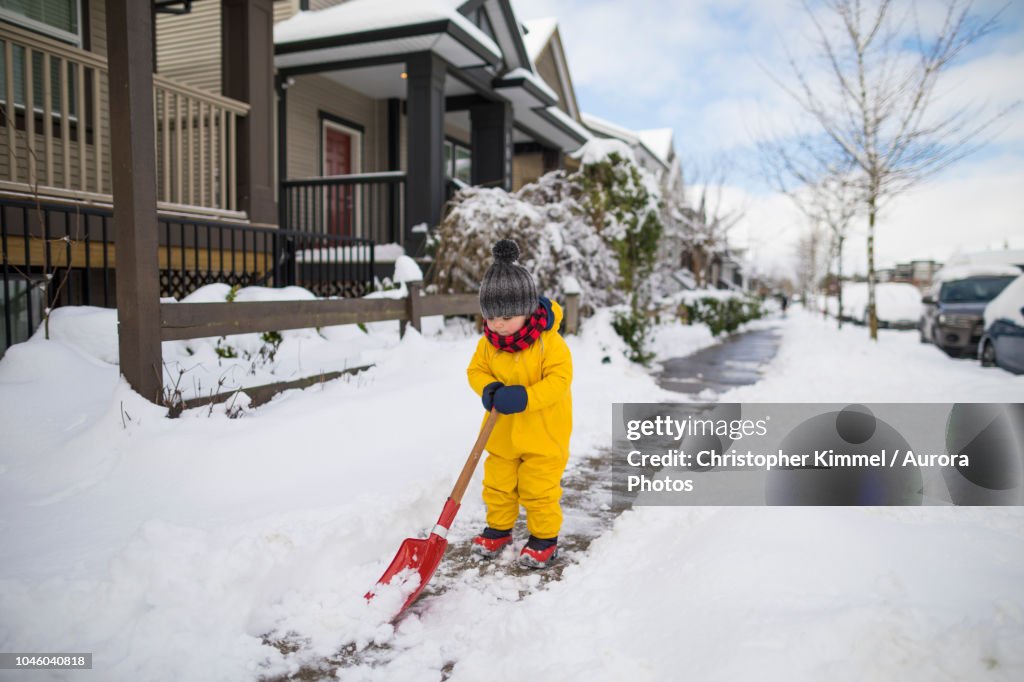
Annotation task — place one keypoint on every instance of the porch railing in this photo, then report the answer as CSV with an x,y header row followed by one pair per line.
x,y
55,138
363,205
62,253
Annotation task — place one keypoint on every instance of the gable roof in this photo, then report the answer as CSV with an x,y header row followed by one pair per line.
x,y
659,141
538,34
541,35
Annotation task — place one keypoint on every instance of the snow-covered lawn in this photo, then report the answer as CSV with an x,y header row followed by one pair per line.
x,y
168,548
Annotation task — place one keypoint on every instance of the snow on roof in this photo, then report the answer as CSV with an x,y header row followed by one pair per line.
x,y
1011,256
539,32
569,122
658,140
356,16
608,128
977,269
536,80
600,148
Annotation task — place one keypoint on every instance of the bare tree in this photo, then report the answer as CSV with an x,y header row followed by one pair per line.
x,y
704,218
823,186
876,102
811,258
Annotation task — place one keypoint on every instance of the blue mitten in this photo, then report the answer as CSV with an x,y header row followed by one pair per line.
x,y
488,395
510,399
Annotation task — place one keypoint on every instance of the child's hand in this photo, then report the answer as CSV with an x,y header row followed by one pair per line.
x,y
488,395
510,399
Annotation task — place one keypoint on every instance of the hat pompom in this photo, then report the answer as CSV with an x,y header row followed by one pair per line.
x,y
506,251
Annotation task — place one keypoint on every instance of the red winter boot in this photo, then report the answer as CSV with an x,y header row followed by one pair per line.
x,y
489,544
538,553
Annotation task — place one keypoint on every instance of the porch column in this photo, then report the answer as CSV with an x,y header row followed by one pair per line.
x,y
424,195
491,144
133,164
247,56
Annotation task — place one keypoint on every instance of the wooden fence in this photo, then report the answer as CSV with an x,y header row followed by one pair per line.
x,y
180,321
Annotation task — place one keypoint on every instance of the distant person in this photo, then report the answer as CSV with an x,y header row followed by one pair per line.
x,y
784,302
522,368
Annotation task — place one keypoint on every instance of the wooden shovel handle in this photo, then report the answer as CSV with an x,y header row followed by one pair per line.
x,y
474,458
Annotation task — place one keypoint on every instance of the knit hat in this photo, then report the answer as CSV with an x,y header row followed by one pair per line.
x,y
507,289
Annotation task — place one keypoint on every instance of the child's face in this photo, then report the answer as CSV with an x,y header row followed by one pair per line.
x,y
506,325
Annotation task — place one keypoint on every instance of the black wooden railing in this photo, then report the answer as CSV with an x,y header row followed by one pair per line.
x,y
56,254
367,205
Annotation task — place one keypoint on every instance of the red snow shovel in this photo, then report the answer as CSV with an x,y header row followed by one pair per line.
x,y
424,556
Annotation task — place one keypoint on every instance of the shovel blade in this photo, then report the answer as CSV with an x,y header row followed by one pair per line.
x,y
422,556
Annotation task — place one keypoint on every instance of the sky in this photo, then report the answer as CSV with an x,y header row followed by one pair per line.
x,y
701,67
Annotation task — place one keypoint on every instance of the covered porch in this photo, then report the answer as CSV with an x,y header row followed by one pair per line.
x,y
379,124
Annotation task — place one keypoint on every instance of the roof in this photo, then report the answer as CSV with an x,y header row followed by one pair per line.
x,y
630,137
539,32
364,21
600,125
659,141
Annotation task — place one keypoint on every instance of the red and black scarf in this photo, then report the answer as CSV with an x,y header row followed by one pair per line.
x,y
521,340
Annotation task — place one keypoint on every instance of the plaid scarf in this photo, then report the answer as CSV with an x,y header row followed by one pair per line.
x,y
535,324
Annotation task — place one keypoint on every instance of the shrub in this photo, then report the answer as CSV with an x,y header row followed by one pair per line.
x,y
634,327
720,314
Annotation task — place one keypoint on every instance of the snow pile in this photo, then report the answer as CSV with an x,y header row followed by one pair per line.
x,y
819,363
781,594
406,270
894,301
207,548
93,331
1008,305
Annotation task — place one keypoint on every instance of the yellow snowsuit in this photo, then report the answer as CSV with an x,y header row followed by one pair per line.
x,y
528,451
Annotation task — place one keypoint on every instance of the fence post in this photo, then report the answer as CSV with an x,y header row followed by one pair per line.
x,y
572,313
414,306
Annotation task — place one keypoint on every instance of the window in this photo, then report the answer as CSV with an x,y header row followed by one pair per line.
x,y
56,18
458,161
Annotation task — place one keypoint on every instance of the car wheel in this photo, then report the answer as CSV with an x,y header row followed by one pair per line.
x,y
988,354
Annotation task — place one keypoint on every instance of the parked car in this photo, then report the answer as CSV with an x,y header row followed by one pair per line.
x,y
897,304
1002,343
954,305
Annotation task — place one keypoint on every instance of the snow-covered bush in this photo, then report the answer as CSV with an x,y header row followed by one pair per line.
x,y
553,234
598,225
721,313
622,202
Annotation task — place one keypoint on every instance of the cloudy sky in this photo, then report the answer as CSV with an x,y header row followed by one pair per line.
x,y
701,68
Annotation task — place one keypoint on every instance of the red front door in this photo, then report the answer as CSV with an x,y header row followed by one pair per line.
x,y
339,199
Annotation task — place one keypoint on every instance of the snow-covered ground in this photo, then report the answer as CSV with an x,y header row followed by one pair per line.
x,y
170,548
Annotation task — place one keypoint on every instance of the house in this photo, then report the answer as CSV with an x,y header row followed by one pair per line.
x,y
292,138
214,185
543,43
